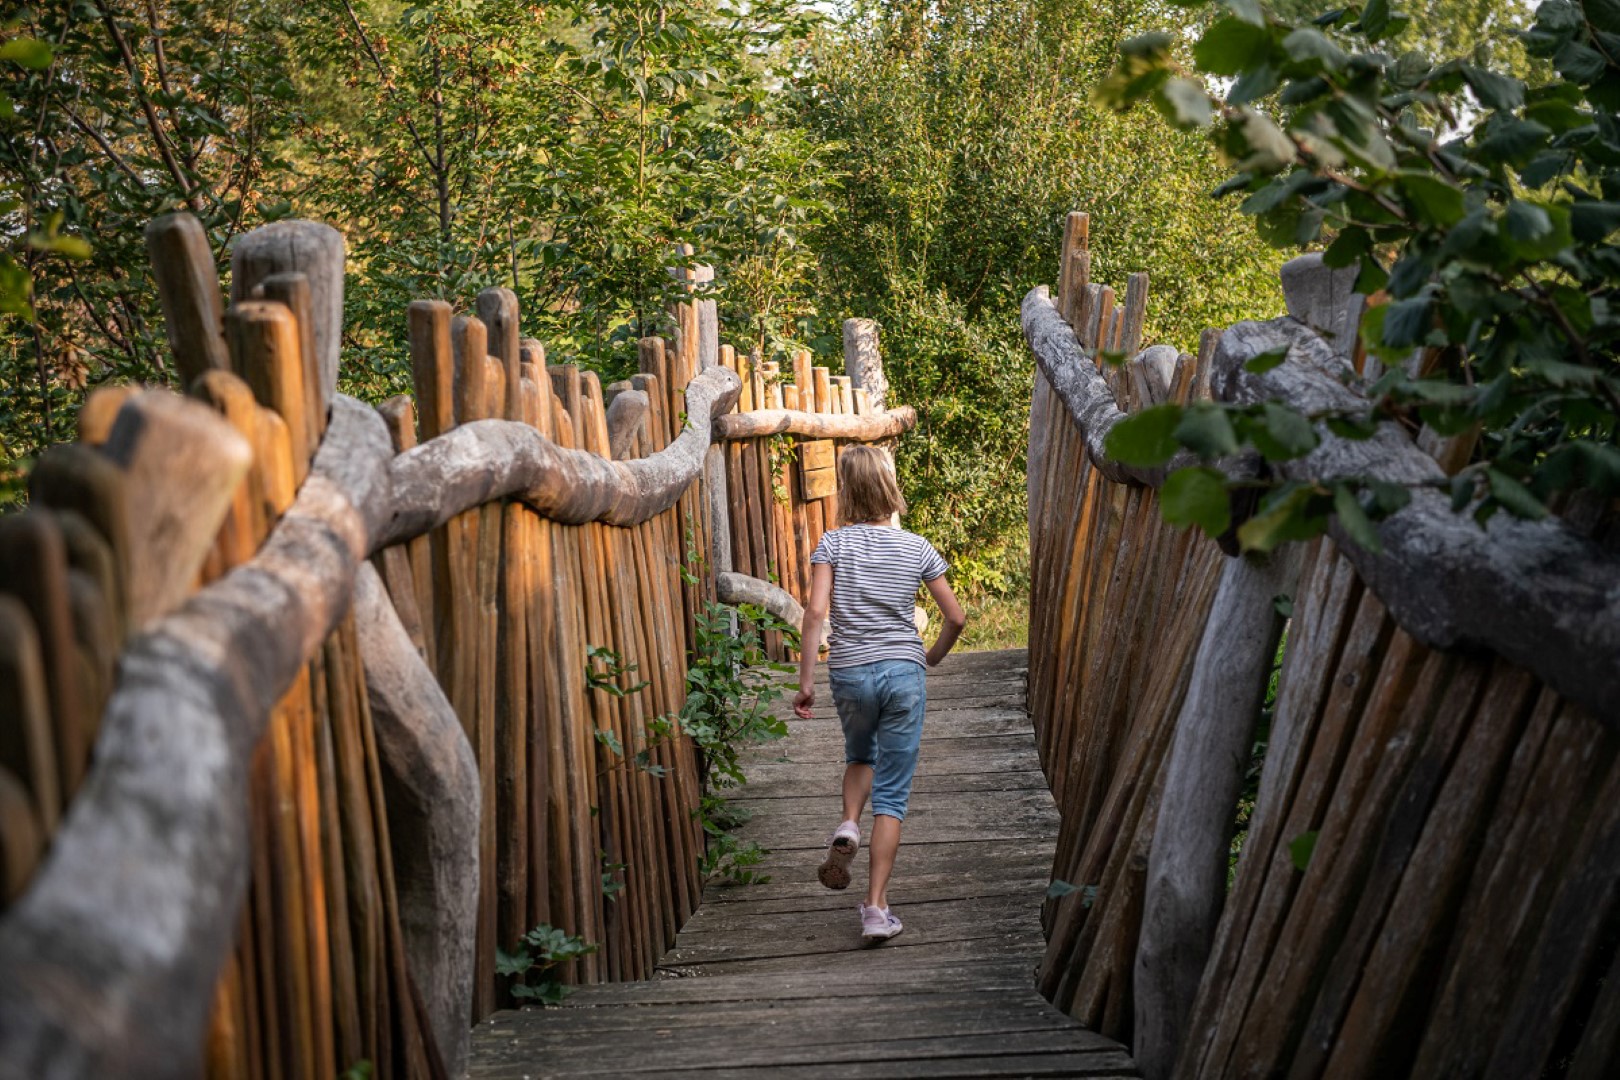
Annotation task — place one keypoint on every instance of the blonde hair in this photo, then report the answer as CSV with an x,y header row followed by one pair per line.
x,y
867,488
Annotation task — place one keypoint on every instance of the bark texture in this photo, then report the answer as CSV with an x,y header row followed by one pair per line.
x,y
869,428
1533,592
431,783
1214,736
111,956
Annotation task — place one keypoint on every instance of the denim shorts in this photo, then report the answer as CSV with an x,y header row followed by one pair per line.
x,y
880,706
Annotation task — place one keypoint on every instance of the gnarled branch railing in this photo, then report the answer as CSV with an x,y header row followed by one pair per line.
x,y
1439,705
382,718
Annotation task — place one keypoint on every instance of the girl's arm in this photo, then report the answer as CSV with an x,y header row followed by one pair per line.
x,y
815,615
951,611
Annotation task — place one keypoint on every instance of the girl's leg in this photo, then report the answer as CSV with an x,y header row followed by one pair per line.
x,y
857,789
885,843
898,739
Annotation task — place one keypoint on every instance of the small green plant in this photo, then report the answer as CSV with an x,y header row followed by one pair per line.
x,y
360,1070
537,957
728,708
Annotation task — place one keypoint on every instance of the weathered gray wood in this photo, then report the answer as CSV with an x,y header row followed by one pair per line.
x,y
1074,378
626,420
1325,299
491,459
314,250
737,589
430,781
1214,735
708,323
863,362
1533,592
952,995
870,428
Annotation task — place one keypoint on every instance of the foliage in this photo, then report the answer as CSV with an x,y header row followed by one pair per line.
x,y
537,957
729,695
112,117
965,133
1485,207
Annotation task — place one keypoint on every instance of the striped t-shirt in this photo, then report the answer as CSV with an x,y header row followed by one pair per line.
x,y
876,571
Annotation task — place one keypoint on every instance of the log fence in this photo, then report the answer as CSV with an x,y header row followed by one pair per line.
x,y
310,708
1430,883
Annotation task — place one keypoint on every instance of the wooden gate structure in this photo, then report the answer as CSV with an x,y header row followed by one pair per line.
x,y
1430,883
301,723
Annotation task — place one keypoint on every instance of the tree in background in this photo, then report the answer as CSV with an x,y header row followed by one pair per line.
x,y
116,115
965,132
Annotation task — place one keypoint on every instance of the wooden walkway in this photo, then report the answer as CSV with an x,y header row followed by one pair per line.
x,y
773,980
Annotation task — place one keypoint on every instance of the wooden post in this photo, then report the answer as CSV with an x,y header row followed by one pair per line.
x,y
263,337
864,362
316,251
292,291
188,286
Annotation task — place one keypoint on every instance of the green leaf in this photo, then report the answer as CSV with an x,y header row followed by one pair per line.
x,y
1592,221
1266,361
1494,91
1513,142
1231,46
1301,848
27,52
1059,889
1435,199
1375,19
1291,517
1280,433
1145,439
1196,496
1308,43
1354,519
1185,104
1206,430
1514,496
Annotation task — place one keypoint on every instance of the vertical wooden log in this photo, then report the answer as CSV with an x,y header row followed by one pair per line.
x,y
263,339
864,362
188,286
28,745
498,309
74,477
100,411
432,366
172,527
316,251
1135,312
291,290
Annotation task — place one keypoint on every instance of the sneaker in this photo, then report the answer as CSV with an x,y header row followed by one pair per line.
x,y
878,924
841,849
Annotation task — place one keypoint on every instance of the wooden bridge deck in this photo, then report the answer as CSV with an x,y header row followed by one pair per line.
x,y
773,979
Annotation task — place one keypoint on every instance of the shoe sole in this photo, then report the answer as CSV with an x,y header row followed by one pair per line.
x,y
834,872
878,939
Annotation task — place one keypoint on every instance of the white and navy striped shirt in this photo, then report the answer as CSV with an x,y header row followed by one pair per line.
x,y
876,571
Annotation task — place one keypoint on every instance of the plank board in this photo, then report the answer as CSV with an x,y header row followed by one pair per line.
x,y
773,978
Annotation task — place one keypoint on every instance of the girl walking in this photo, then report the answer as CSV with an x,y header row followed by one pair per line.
x,y
866,574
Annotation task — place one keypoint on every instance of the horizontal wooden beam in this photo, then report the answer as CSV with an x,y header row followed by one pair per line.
x,y
873,427
1533,592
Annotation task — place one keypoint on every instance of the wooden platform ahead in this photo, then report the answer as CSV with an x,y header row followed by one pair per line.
x,y
772,979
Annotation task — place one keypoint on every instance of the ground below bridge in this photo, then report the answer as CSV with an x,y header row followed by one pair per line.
x,y
772,979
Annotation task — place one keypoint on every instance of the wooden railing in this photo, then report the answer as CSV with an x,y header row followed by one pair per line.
x,y
301,720
1430,880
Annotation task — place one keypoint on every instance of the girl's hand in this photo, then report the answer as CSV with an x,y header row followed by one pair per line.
x,y
803,701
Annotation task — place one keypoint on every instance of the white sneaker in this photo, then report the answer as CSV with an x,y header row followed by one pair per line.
x,y
841,849
878,924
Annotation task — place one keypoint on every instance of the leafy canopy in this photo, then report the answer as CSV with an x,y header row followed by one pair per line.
x,y
1480,211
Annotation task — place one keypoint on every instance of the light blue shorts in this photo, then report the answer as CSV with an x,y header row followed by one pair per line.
x,y
880,706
